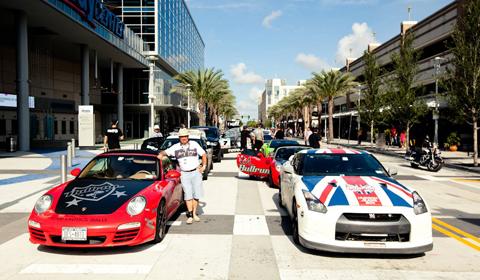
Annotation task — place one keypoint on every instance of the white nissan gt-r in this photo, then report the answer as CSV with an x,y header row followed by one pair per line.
x,y
344,200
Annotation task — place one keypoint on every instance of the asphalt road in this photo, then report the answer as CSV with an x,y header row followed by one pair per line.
x,y
244,234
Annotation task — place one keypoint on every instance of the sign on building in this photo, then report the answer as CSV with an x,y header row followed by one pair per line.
x,y
86,127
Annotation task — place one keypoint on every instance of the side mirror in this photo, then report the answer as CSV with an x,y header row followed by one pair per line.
x,y
75,172
259,155
288,167
290,158
392,171
172,174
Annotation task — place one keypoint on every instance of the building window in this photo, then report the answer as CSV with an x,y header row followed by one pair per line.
x,y
71,127
14,127
269,99
55,127
64,127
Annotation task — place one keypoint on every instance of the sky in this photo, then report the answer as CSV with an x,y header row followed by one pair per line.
x,y
251,39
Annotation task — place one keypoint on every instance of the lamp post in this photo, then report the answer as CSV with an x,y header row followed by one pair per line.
x,y
188,104
435,113
358,108
151,97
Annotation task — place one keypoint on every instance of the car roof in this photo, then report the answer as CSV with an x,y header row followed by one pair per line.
x,y
338,151
192,133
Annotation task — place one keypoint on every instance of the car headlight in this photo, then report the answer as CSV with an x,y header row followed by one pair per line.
x,y
313,203
209,143
419,206
43,203
136,205
278,167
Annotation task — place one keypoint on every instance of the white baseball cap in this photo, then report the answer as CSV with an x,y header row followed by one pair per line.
x,y
156,127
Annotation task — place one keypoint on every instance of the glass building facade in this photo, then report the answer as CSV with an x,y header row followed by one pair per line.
x,y
168,29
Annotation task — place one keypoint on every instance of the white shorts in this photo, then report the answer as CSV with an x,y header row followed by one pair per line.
x,y
192,184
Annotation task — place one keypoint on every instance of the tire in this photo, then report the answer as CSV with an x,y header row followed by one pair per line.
x,y
270,180
414,165
280,200
435,167
296,237
219,157
161,225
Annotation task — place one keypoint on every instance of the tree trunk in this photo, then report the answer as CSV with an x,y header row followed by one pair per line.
x,y
310,115
408,137
201,113
319,118
330,117
371,133
475,143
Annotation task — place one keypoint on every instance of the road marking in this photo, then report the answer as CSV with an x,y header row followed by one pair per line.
x,y
174,223
432,178
87,269
446,232
466,180
250,225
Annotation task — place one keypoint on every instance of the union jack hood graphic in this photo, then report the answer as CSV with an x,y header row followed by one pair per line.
x,y
358,191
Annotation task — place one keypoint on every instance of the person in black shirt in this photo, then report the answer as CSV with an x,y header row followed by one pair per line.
x,y
113,135
279,134
244,135
315,140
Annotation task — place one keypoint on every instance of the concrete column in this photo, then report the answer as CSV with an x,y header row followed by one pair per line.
x,y
85,76
120,96
23,112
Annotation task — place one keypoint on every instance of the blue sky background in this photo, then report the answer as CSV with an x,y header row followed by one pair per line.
x,y
250,39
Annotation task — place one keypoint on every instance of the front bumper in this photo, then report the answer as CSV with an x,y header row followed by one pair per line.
x,y
409,234
102,230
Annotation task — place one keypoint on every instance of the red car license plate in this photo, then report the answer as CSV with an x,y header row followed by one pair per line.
x,y
71,233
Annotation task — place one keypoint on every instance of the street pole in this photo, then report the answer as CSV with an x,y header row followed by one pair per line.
x,y
358,109
151,97
188,105
435,114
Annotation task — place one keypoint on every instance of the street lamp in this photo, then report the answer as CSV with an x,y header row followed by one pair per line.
x,y
436,64
358,108
188,104
151,97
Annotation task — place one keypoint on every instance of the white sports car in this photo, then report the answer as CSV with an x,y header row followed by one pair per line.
x,y
345,201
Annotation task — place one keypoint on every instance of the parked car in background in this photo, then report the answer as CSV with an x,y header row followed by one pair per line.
x,y
213,140
268,147
279,156
153,144
197,136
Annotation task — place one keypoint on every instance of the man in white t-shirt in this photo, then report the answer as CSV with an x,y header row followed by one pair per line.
x,y
156,132
187,153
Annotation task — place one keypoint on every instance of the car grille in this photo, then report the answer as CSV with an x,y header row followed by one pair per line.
x,y
367,217
372,227
91,240
125,235
37,234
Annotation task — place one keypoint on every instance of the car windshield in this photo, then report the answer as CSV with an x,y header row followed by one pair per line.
x,y
275,144
285,153
121,167
170,142
210,132
341,165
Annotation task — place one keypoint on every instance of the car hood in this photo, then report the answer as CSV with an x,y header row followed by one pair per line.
x,y
358,191
212,139
281,161
92,197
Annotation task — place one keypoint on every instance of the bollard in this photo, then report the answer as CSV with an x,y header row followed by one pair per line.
x,y
73,148
63,168
69,154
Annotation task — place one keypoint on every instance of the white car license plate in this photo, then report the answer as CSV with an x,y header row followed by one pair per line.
x,y
72,233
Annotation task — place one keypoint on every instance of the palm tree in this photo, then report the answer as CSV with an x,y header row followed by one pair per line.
x,y
330,85
202,84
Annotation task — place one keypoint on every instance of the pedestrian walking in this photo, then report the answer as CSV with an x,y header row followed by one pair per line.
x,y
113,135
258,138
360,134
187,152
403,139
393,133
244,136
307,134
156,132
315,139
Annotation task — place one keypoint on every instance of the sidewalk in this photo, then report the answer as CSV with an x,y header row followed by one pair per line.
x,y
458,160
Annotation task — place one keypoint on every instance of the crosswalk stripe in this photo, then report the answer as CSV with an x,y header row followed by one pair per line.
x,y
174,223
87,269
250,225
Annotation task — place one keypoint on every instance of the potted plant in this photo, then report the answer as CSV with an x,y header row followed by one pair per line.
x,y
453,141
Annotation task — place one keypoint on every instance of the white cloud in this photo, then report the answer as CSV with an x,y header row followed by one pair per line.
x,y
311,62
236,71
271,17
246,105
357,42
254,94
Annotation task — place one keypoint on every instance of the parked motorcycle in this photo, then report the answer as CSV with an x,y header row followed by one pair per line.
x,y
429,158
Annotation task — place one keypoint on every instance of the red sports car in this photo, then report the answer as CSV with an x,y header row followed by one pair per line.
x,y
119,198
279,156
254,163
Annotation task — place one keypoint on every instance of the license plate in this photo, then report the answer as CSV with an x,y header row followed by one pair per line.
x,y
72,233
377,245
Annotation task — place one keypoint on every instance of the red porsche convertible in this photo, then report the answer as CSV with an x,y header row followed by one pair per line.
x,y
119,198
